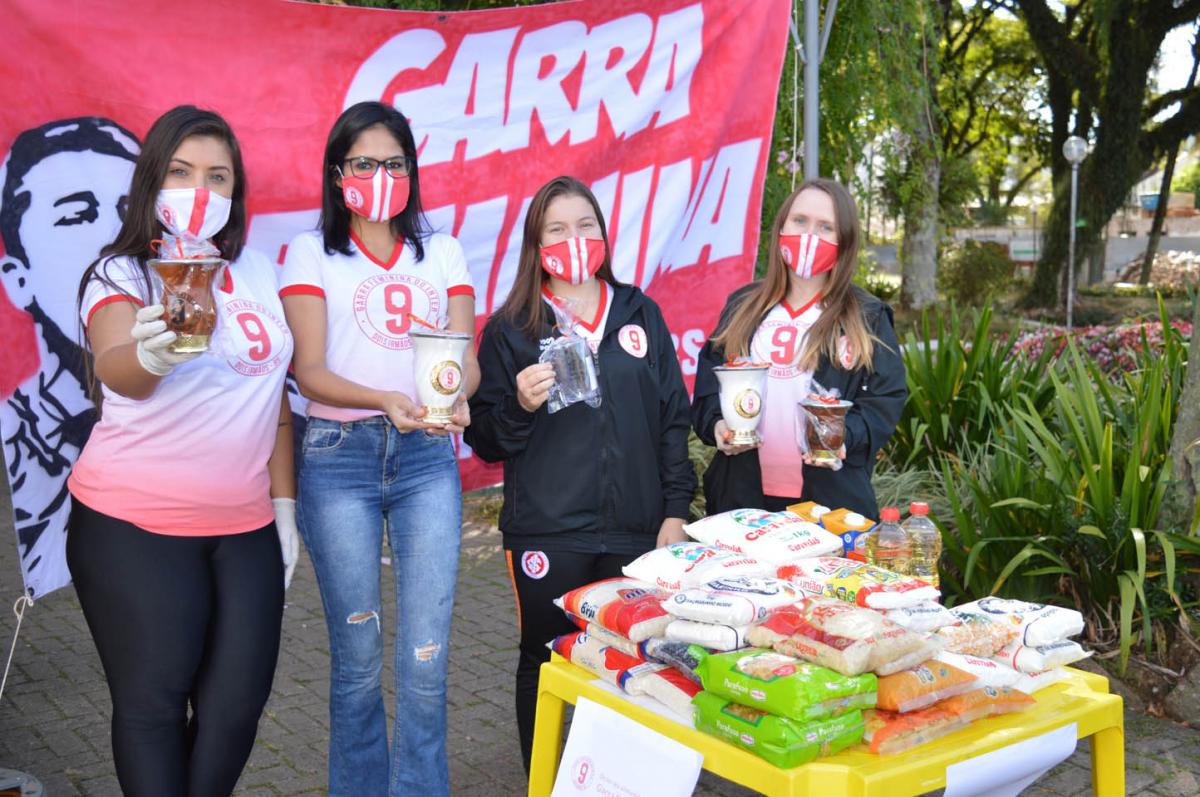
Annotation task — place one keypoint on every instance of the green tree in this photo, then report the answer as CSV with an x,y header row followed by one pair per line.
x,y
1097,56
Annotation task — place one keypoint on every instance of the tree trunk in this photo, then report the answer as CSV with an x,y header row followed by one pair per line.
x,y
919,268
1160,214
1164,190
1185,439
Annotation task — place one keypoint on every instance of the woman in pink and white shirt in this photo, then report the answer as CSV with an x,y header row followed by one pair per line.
x,y
183,495
353,290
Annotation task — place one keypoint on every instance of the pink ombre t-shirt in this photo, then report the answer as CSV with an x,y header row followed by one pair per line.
x,y
779,340
191,460
369,305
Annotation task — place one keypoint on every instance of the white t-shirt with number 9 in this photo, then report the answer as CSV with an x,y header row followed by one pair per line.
x,y
369,305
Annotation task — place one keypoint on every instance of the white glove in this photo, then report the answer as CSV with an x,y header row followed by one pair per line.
x,y
289,537
152,336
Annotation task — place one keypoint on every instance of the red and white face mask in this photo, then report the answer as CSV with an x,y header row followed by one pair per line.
x,y
575,260
376,198
196,212
807,254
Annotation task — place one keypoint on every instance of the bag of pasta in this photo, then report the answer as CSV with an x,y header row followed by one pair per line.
x,y
782,741
922,686
987,701
784,685
889,732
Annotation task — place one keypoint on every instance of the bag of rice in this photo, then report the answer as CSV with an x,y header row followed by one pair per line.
x,y
672,689
628,607
1037,624
690,564
927,616
781,741
683,656
842,637
708,635
975,634
861,583
889,732
784,685
732,601
1032,682
776,538
987,701
1040,659
602,660
922,686
986,672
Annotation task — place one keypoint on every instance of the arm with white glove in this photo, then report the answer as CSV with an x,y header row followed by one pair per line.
x,y
283,491
129,346
154,341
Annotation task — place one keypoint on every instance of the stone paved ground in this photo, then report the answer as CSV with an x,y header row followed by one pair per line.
x,y
54,715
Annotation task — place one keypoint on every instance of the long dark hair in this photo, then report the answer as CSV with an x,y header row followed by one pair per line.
x,y
524,305
410,226
841,313
140,226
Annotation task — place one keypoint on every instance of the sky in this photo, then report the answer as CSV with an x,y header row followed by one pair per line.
x,y
1176,58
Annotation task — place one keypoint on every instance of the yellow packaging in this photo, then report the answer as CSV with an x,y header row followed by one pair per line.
x,y
809,510
850,527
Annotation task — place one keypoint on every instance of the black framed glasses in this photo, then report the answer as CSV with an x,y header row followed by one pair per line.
x,y
362,166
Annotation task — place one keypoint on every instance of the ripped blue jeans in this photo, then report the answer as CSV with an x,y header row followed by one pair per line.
x,y
356,479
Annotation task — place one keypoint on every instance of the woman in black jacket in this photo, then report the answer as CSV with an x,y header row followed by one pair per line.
x,y
586,489
810,324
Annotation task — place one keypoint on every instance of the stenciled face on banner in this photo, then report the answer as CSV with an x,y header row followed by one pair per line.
x,y
63,190
664,108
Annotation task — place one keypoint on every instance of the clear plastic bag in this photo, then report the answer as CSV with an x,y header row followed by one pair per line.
x,y
576,372
821,425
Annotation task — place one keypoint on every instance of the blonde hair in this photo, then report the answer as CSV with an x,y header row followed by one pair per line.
x,y
840,310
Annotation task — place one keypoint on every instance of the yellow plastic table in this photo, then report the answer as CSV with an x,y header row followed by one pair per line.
x,y
1082,698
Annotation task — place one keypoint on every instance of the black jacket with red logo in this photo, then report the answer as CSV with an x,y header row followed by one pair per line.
x,y
584,479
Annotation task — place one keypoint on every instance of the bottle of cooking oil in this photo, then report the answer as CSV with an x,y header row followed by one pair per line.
x,y
925,541
887,545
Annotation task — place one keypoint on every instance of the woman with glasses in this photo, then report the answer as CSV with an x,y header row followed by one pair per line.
x,y
352,291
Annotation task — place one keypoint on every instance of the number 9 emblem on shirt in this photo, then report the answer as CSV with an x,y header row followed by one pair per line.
x,y
259,338
633,340
748,403
384,306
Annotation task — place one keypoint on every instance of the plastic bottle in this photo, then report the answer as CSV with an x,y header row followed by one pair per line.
x,y
925,541
888,546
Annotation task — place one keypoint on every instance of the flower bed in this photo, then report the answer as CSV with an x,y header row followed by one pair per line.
x,y
1113,348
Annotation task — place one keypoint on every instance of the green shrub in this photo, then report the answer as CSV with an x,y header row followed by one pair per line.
x,y
871,279
972,270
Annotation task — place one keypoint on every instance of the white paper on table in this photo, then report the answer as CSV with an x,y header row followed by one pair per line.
x,y
608,753
1007,771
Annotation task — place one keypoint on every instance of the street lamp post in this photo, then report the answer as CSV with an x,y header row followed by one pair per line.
x,y
1074,150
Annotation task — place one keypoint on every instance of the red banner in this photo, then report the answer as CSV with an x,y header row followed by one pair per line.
x,y
664,107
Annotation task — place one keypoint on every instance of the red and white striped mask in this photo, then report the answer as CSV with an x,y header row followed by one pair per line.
x,y
574,260
807,254
376,198
196,212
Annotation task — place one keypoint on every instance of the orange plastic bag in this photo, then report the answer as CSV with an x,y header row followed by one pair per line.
x,y
922,686
986,702
889,732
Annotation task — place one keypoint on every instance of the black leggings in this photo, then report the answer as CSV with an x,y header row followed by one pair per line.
x,y
179,620
541,621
